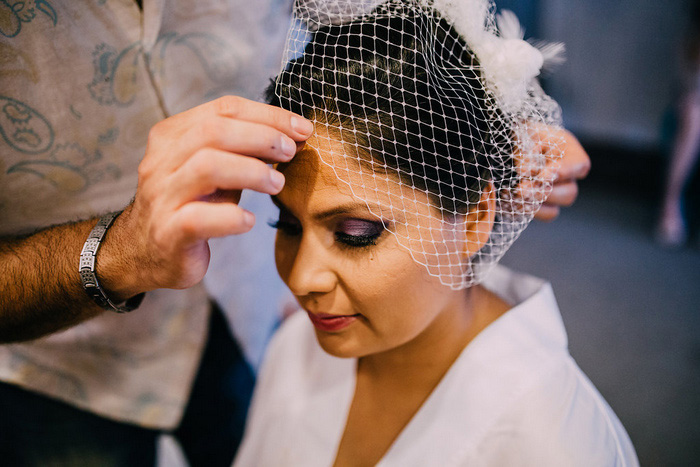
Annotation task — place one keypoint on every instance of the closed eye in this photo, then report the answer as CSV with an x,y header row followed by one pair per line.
x,y
358,233
286,224
286,228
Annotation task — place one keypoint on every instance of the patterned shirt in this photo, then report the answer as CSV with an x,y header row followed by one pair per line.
x,y
81,84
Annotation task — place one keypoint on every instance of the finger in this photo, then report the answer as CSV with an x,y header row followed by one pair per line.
x,y
241,137
210,170
548,139
547,213
573,170
563,194
224,196
575,163
237,108
542,147
566,159
198,220
530,165
530,191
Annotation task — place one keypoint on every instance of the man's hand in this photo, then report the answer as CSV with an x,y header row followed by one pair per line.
x,y
547,155
574,165
190,181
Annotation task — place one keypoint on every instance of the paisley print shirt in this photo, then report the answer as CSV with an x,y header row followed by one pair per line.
x,y
81,83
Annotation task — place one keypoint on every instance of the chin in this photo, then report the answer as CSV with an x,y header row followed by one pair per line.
x,y
341,346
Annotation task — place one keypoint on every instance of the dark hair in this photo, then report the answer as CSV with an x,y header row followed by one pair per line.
x,y
406,86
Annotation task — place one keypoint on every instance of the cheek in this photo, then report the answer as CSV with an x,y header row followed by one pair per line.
x,y
395,293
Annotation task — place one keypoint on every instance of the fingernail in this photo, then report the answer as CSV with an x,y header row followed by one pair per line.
x,y
277,179
289,147
302,126
249,218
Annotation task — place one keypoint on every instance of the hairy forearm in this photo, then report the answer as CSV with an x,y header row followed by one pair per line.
x,y
40,289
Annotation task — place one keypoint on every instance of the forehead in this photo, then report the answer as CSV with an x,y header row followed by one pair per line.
x,y
308,179
326,172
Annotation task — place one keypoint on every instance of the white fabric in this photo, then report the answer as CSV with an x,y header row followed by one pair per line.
x,y
81,83
514,397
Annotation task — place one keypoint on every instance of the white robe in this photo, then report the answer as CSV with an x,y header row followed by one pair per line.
x,y
514,397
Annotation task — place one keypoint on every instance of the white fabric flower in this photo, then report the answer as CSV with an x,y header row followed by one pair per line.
x,y
509,65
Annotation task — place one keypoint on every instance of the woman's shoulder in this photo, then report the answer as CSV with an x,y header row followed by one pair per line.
x,y
540,409
561,419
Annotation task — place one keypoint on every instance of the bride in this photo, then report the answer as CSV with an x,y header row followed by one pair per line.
x,y
414,349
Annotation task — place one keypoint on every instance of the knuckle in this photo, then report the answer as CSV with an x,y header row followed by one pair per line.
x,y
159,238
146,194
144,170
202,170
271,136
229,105
189,225
158,130
260,171
278,117
199,165
251,172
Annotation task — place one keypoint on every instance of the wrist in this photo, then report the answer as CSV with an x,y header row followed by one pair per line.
x,y
115,271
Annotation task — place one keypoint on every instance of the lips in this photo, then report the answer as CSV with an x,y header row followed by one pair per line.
x,y
331,323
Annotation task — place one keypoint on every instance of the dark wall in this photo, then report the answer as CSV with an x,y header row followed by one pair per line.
x,y
623,63
527,11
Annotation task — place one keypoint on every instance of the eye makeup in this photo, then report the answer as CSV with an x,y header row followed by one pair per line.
x,y
358,232
349,232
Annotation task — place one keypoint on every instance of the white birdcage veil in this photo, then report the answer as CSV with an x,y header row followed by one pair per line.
x,y
427,108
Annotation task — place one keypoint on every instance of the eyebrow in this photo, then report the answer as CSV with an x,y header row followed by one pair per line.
x,y
342,209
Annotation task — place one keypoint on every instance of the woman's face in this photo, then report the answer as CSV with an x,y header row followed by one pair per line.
x,y
363,292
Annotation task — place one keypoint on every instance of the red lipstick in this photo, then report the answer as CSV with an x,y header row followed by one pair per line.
x,y
331,323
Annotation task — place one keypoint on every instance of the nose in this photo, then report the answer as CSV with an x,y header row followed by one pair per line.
x,y
307,269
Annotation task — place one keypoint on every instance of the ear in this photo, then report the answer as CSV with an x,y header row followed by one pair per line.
x,y
479,222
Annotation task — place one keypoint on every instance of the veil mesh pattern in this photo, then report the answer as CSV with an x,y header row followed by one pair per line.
x,y
412,112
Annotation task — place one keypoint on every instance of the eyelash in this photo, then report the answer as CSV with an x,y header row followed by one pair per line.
x,y
286,228
356,241
345,240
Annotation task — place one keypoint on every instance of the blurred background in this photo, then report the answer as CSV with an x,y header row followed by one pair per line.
x,y
629,292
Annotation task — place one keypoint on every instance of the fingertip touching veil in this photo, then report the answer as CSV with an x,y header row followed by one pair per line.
x,y
431,109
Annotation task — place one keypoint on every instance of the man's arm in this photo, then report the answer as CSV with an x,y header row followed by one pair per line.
x,y
190,181
40,289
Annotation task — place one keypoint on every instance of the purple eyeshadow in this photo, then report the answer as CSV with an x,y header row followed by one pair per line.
x,y
360,228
